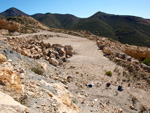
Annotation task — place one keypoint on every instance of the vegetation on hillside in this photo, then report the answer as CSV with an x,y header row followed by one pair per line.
x,y
146,61
126,29
10,26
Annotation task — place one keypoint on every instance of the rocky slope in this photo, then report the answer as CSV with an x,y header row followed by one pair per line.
x,y
77,80
32,83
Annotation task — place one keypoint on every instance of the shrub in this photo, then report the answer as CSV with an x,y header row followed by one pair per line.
x,y
108,73
74,101
37,70
146,61
12,27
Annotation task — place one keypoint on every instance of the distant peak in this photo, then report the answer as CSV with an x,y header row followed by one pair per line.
x,y
13,9
99,12
48,13
13,12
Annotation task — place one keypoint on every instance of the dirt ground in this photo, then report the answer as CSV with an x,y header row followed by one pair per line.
x,y
88,66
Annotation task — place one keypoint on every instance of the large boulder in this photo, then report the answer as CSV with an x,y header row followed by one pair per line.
x,y
107,51
53,61
9,105
69,50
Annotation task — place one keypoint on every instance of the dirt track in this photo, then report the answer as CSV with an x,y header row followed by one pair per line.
x,y
88,66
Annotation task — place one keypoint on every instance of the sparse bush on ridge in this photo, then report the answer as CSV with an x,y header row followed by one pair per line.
x,y
146,61
37,70
12,27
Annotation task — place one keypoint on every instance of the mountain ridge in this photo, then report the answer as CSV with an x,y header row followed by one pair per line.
x,y
11,12
126,29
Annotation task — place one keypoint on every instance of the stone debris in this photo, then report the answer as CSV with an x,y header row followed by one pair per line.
x,y
56,54
128,56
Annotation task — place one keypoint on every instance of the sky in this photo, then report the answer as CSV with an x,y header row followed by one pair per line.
x,y
80,8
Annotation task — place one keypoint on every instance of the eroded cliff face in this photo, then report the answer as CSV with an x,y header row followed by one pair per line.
x,y
139,53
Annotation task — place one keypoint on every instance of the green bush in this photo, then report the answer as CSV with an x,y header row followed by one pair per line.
x,y
146,61
108,73
37,70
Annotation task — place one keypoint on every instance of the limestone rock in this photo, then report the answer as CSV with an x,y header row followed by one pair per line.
x,y
33,48
107,51
139,53
4,32
62,52
11,83
69,50
53,61
2,58
9,105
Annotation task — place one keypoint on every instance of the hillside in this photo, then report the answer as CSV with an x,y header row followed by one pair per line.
x,y
60,21
65,71
126,29
22,24
11,12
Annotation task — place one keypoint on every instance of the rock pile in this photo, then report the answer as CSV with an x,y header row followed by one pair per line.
x,y
56,54
39,93
127,56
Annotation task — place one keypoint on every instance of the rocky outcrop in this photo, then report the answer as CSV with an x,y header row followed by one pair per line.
x,y
63,97
125,55
10,83
139,53
9,105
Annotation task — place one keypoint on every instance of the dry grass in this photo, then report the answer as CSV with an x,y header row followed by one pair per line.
x,y
12,27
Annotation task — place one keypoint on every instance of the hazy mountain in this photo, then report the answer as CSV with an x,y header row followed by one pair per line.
x,y
12,12
126,29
